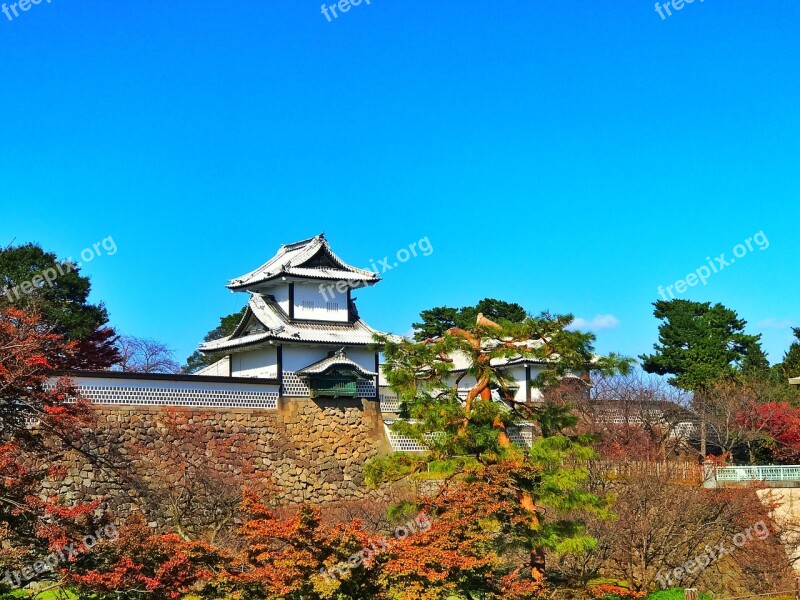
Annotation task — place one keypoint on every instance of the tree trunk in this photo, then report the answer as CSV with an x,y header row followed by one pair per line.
x,y
703,425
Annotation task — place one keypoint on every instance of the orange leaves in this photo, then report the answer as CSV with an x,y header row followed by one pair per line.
x,y
164,565
125,575
29,352
300,556
37,361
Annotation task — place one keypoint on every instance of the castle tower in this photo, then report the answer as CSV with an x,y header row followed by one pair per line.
x,y
301,326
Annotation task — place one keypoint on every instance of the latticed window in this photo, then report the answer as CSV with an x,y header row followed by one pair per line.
x,y
333,386
308,305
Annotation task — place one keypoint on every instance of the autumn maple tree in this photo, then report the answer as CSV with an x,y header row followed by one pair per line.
x,y
141,563
778,424
34,414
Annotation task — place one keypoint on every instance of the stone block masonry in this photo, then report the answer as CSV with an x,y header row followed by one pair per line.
x,y
307,451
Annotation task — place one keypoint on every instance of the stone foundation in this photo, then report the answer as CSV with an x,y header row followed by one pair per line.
x,y
306,451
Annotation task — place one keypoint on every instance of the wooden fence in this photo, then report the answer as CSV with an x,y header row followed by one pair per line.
x,y
675,471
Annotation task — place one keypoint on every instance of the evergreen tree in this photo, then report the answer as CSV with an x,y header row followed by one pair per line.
x,y
226,327
38,282
700,344
790,365
436,321
469,441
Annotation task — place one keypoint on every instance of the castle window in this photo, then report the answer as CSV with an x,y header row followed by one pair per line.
x,y
332,306
308,305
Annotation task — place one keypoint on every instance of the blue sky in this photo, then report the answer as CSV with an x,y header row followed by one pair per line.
x,y
570,155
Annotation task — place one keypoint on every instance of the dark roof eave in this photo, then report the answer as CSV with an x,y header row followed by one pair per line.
x,y
290,276
286,341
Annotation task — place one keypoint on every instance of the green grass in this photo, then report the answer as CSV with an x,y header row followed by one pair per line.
x,y
673,594
48,595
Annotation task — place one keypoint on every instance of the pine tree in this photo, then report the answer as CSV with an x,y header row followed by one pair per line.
x,y
700,344
468,441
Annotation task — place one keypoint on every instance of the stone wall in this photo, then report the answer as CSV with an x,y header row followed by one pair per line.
x,y
306,451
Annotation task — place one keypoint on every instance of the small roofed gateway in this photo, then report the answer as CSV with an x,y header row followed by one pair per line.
x,y
301,326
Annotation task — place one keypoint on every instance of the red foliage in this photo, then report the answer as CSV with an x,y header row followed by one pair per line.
x,y
98,351
781,423
300,556
34,413
29,353
166,566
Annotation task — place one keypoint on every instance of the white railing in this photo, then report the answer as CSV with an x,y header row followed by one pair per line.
x,y
759,473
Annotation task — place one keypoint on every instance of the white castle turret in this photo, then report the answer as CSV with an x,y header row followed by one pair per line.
x,y
301,326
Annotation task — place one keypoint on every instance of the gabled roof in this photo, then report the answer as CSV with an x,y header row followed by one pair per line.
x,y
307,259
337,360
274,325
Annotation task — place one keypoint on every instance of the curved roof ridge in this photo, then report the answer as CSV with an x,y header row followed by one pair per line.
x,y
290,260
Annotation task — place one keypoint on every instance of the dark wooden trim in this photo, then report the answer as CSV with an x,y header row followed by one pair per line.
x,y
280,370
323,322
527,383
377,376
180,377
230,365
291,300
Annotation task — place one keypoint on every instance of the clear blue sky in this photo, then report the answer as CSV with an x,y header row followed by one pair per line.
x,y
566,155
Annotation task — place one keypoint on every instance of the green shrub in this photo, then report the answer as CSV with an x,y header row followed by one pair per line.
x,y
673,594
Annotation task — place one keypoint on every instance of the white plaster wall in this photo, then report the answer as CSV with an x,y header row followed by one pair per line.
x,y
221,368
786,516
536,394
328,306
295,357
255,363
281,295
363,356
515,373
